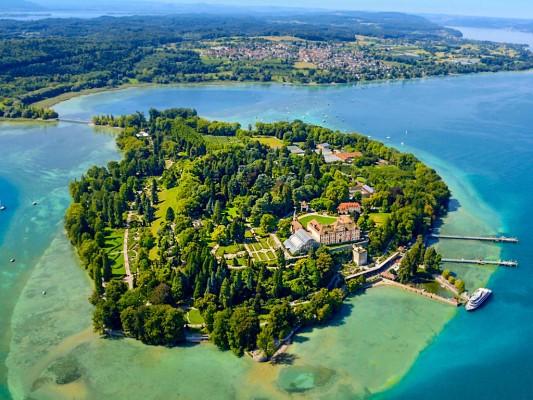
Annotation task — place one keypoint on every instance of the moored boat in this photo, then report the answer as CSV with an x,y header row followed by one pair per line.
x,y
479,296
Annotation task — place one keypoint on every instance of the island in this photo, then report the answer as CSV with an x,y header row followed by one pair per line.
x,y
208,230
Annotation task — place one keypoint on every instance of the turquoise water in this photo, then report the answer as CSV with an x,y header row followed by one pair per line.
x,y
475,130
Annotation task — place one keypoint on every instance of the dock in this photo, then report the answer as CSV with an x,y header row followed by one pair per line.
x,y
498,239
481,262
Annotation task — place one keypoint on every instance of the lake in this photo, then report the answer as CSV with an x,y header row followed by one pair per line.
x,y
474,130
496,35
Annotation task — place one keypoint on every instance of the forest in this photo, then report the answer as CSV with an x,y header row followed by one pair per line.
x,y
185,193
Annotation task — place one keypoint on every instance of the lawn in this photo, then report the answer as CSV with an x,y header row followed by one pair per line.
x,y
379,218
195,317
231,212
263,256
320,218
167,198
114,243
232,248
256,246
269,141
265,242
271,255
257,257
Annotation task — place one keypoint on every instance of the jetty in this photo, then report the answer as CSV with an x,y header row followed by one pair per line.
x,y
75,121
422,292
498,239
481,262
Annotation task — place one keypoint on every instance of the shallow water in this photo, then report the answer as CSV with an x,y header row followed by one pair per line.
x,y
478,124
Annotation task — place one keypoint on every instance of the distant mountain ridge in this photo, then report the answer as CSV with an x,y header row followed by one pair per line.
x,y
20,5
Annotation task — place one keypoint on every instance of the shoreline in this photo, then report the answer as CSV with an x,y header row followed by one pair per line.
x,y
52,101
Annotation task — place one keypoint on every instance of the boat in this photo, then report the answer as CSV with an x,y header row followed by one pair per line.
x,y
2,207
479,296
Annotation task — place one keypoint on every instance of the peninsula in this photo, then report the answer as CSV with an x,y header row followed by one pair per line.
x,y
208,229
53,58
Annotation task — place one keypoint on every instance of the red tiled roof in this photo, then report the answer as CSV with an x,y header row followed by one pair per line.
x,y
347,206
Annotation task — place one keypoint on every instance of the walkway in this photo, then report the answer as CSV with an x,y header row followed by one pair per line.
x,y
129,276
376,269
429,295
450,287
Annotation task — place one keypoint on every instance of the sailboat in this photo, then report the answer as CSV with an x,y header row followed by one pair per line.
x,y
2,207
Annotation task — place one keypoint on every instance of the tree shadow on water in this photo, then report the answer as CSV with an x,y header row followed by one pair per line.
x,y
284,359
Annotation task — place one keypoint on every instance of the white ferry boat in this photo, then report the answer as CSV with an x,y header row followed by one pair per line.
x,y
477,298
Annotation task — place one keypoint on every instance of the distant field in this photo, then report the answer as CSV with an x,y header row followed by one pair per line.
x,y
323,220
269,141
281,38
301,65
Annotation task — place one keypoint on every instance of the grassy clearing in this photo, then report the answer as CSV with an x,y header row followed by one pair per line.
x,y
269,141
241,261
232,248
379,218
114,242
195,317
167,198
320,218
302,65
231,212
218,142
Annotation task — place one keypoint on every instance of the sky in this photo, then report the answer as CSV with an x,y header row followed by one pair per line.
x,y
490,8
493,8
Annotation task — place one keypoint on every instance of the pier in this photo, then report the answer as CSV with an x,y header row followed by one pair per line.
x,y
76,121
498,239
481,262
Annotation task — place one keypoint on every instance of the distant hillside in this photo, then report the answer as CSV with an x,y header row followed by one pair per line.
x,y
19,5
342,26
524,25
